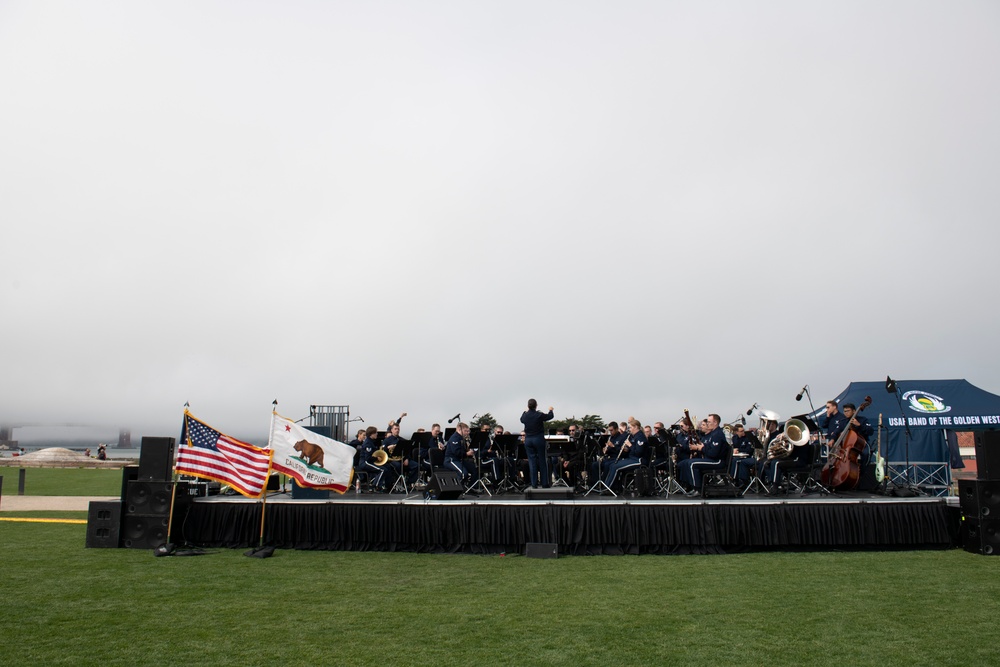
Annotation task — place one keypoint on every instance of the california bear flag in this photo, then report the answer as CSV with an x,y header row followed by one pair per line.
x,y
312,459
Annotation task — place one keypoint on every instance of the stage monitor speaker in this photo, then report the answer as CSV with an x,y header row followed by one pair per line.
x,y
129,474
274,482
144,532
104,523
981,536
987,454
541,550
553,493
308,493
156,459
445,485
148,498
979,498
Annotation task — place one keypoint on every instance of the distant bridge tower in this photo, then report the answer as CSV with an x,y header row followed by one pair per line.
x,y
5,433
124,439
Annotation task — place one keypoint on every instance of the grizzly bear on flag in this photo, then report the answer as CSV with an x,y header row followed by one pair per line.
x,y
310,452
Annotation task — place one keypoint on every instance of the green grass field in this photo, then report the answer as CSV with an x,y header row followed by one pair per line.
x,y
62,604
64,481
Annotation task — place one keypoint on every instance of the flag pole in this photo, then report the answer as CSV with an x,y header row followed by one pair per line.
x,y
263,502
263,507
173,486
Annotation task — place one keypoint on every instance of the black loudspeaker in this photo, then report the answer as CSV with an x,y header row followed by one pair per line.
x,y
541,550
987,454
866,482
156,459
274,482
104,523
148,498
445,485
979,499
129,474
144,532
981,536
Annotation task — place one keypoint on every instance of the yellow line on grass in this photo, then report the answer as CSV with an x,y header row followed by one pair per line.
x,y
12,518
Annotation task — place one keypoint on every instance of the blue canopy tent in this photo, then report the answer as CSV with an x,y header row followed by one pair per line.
x,y
930,408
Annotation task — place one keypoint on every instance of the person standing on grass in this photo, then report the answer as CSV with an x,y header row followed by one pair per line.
x,y
534,444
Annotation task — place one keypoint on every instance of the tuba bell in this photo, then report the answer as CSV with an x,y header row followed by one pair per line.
x,y
380,457
796,434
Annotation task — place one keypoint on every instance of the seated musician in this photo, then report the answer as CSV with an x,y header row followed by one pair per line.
x,y
713,449
744,455
458,456
682,451
571,459
435,449
631,455
781,457
390,444
663,442
832,422
380,474
599,468
490,456
359,438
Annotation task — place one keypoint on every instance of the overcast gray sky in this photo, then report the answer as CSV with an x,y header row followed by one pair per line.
x,y
624,208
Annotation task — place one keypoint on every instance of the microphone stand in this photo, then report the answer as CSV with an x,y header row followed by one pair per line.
x,y
809,396
909,486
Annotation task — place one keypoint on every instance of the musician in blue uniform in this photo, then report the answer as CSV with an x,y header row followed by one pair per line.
x,y
390,443
683,451
713,450
492,459
458,454
630,456
379,474
832,422
781,457
534,444
600,467
836,423
744,459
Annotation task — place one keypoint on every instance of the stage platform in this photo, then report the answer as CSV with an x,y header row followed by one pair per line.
x,y
579,526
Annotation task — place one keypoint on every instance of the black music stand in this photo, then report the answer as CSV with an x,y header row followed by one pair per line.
x,y
403,450
561,444
479,439
421,443
506,443
599,441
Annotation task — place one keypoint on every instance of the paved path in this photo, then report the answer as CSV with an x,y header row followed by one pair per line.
x,y
33,503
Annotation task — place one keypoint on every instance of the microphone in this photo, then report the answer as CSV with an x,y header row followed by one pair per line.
x,y
455,417
751,409
798,396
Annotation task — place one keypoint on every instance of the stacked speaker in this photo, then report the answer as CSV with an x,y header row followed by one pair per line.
x,y
980,498
140,519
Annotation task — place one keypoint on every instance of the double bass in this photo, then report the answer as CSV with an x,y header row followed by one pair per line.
x,y
842,470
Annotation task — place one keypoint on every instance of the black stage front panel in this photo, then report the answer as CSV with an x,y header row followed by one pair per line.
x,y
578,528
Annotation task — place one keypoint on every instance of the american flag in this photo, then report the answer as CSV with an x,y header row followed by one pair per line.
x,y
206,453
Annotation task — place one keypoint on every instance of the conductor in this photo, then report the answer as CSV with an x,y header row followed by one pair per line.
x,y
534,444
